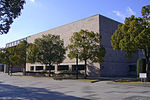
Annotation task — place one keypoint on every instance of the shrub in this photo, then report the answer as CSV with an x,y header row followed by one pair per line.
x,y
141,66
38,73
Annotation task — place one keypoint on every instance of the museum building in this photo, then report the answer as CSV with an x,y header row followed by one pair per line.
x,y
115,62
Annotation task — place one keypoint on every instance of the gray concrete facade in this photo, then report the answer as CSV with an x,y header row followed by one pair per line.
x,y
115,62
15,69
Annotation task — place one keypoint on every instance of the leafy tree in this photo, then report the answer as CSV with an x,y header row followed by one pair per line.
x,y
87,45
134,35
2,56
146,13
9,10
47,50
32,53
7,57
21,50
14,56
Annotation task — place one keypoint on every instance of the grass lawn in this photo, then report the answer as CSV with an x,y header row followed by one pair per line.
x,y
136,83
60,78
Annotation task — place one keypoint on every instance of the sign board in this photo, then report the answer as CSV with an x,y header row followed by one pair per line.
x,y
142,75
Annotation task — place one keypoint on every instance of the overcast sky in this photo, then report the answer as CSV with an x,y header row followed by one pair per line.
x,y
41,15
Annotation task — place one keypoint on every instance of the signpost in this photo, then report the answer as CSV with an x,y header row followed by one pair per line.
x,y
143,76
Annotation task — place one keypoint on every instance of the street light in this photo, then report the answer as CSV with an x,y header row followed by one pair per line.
x,y
76,66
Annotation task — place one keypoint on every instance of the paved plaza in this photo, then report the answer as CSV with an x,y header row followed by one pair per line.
x,y
35,88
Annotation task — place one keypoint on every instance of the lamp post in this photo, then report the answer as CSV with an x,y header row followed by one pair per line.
x,y
76,66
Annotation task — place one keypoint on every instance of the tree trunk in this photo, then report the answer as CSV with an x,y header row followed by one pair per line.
x,y
147,65
8,69
147,68
147,62
11,71
85,75
49,71
24,69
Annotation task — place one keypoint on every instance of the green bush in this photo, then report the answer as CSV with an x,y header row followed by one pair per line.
x,y
141,66
67,73
38,73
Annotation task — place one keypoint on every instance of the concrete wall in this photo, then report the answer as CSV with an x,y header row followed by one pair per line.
x,y
65,32
115,62
14,69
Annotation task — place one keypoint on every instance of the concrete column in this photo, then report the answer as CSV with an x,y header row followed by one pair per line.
x,y
44,67
56,68
70,67
5,68
34,68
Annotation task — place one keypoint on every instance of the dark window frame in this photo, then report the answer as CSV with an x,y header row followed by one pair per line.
x,y
39,67
80,67
63,67
50,68
31,67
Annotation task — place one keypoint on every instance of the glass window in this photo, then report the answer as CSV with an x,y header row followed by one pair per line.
x,y
80,67
50,67
63,67
39,67
31,67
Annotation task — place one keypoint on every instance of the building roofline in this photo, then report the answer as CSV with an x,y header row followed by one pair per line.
x,y
77,21
67,24
110,19
17,40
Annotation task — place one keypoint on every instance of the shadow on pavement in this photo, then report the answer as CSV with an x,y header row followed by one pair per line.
x,y
10,92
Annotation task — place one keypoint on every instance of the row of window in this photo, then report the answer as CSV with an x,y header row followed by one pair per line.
x,y
60,67
14,43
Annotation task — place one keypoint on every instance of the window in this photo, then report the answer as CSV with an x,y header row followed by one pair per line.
x,y
39,67
16,42
50,67
63,67
80,67
12,43
31,67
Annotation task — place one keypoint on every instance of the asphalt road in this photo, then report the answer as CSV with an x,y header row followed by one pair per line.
x,y
32,88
